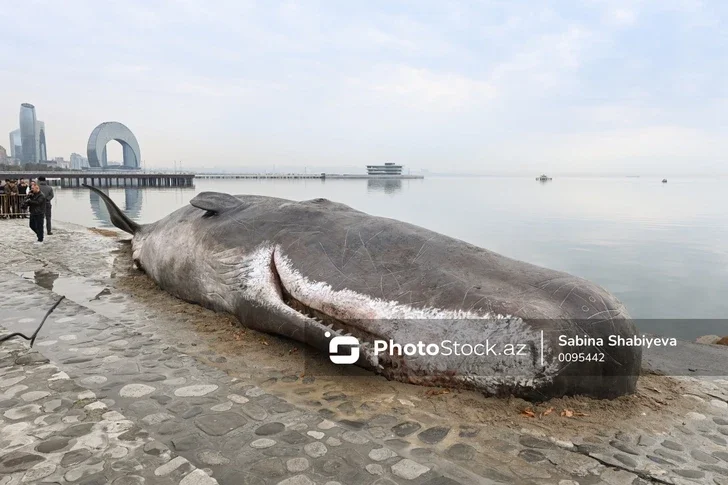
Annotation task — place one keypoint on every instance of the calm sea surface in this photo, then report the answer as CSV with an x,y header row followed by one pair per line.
x,y
660,248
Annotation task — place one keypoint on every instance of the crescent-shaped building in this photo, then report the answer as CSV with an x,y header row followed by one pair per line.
x,y
103,134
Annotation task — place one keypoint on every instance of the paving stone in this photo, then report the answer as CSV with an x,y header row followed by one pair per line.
x,y
16,461
623,446
660,460
533,442
381,454
717,440
645,440
52,445
315,449
196,390
226,406
191,412
254,411
136,390
671,445
461,451
433,435
77,430
626,459
262,443
406,428
75,457
38,472
170,466
170,427
22,412
270,429
723,455
689,473
219,424
408,469
34,395
354,437
212,458
703,457
187,443
532,456
669,456
296,465
198,477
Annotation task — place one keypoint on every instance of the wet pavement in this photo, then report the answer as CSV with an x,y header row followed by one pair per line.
x,y
183,418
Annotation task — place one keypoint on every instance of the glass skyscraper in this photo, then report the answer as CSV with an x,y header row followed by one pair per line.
x,y
32,136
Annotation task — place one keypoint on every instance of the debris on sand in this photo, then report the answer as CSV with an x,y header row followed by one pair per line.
x,y
712,340
103,232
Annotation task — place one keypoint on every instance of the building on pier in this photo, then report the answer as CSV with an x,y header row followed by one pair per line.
x,y
389,168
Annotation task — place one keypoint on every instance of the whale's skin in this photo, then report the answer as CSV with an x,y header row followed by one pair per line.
x,y
375,277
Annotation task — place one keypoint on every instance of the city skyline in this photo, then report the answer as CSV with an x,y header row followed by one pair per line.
x,y
586,87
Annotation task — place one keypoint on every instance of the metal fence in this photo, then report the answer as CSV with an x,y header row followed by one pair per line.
x,y
10,206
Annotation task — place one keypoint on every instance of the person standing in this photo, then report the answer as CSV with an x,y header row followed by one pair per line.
x,y
48,194
23,187
37,203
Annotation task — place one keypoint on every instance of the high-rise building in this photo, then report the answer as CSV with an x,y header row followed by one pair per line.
x,y
16,146
32,136
3,154
78,162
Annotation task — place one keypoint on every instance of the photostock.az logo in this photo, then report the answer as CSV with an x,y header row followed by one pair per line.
x,y
343,341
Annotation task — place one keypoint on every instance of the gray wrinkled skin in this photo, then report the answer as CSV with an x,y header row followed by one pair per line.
x,y
316,269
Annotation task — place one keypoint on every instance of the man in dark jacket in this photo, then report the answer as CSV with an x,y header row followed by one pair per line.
x,y
48,194
23,187
37,203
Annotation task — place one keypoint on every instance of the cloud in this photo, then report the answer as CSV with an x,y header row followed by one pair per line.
x,y
423,90
623,16
575,85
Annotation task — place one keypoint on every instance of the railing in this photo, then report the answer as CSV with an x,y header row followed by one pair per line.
x,y
10,206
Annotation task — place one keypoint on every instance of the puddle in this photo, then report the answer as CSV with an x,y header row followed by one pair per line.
x,y
86,292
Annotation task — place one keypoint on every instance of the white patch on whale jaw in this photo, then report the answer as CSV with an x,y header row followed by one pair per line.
x,y
375,316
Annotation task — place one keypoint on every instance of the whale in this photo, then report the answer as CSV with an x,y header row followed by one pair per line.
x,y
393,298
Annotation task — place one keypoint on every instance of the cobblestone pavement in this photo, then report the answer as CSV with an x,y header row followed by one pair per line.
x,y
54,431
234,430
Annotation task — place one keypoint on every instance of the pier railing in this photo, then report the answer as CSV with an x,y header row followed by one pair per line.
x,y
10,206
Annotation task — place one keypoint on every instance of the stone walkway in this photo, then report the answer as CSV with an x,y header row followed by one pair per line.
x,y
214,425
54,431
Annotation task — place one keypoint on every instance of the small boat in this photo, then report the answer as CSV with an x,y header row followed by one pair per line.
x,y
664,181
543,178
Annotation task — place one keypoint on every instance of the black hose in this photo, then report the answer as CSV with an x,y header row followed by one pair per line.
x,y
35,334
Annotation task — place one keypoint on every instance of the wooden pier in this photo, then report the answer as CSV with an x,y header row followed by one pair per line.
x,y
108,179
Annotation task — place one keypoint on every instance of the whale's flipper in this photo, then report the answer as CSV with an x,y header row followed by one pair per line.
x,y
118,218
215,202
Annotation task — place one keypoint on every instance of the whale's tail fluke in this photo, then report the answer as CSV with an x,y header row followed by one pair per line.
x,y
118,218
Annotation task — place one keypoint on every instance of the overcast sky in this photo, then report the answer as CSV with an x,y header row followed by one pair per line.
x,y
634,86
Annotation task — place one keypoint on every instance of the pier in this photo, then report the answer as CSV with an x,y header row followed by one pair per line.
x,y
107,179
320,176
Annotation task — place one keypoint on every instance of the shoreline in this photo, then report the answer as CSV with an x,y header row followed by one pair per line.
x,y
459,435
